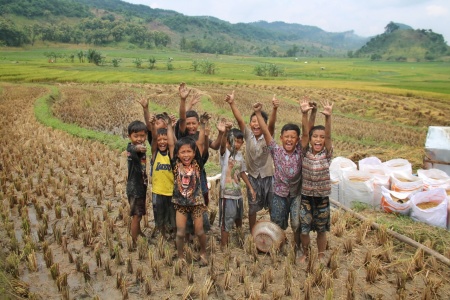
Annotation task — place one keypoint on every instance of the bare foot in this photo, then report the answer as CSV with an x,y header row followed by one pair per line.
x,y
203,260
302,259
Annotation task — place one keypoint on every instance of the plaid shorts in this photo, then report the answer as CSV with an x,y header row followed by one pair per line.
x,y
314,214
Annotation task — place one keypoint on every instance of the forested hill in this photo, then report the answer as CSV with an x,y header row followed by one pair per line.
x,y
120,24
115,23
402,43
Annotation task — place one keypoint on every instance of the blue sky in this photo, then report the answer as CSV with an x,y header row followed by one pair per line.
x,y
366,18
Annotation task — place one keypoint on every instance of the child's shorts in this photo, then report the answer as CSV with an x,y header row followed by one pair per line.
x,y
195,210
264,194
137,206
314,214
163,211
230,210
282,208
190,223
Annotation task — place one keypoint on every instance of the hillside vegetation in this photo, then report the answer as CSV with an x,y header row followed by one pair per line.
x,y
120,24
402,44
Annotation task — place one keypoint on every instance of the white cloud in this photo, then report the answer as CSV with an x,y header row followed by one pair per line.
x,y
436,10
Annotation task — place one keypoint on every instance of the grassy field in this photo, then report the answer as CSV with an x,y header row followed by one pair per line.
x,y
422,79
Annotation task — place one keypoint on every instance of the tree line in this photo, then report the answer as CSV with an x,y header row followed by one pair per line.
x,y
96,31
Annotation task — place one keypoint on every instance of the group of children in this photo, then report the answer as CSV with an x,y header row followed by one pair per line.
x,y
291,180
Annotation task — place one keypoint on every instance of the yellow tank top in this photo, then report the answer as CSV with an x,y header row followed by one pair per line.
x,y
162,175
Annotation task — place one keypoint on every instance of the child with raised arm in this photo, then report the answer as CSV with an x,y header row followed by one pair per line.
x,y
316,186
187,196
162,176
137,179
231,207
258,160
188,125
287,159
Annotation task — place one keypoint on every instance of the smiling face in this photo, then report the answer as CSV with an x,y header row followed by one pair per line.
x,y
254,126
317,140
138,138
186,154
289,140
162,142
191,125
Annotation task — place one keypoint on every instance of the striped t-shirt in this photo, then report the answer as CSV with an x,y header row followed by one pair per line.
x,y
316,173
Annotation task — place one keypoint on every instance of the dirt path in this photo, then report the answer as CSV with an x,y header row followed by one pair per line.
x,y
63,205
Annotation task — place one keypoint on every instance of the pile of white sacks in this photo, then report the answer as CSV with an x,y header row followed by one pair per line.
x,y
390,186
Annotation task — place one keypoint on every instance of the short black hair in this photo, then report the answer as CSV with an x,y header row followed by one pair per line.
x,y
161,131
136,126
263,114
317,127
192,114
290,126
236,133
159,116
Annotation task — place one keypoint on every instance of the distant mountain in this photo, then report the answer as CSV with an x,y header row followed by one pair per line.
x,y
400,42
116,23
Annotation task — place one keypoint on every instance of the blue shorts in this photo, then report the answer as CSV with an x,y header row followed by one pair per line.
x,y
230,210
314,214
163,211
282,208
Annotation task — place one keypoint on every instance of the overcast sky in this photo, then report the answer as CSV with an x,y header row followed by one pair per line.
x,y
365,17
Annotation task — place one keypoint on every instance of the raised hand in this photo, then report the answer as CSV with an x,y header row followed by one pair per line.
x,y
327,107
221,125
184,91
275,101
257,107
152,119
230,98
195,99
313,104
305,105
173,119
143,101
204,118
228,125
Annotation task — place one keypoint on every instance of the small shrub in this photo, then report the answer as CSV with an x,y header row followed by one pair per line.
x,y
137,62
116,62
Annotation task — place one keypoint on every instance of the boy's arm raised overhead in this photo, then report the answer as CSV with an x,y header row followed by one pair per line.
x,y
237,114
224,128
216,144
154,145
201,135
273,115
184,93
312,116
192,103
143,101
327,111
305,107
170,136
257,107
